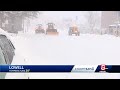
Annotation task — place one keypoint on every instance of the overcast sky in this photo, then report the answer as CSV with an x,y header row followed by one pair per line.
x,y
62,14
57,17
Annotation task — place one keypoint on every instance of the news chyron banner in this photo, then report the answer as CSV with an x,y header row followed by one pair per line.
x,y
61,68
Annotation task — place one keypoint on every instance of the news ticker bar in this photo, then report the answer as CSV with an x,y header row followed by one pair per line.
x,y
61,68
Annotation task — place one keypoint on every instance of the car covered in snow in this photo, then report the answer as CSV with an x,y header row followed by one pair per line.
x,y
8,54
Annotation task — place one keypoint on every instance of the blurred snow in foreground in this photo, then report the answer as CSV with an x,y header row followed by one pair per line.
x,y
86,49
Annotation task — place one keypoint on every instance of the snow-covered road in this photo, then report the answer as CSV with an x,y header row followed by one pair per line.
x,y
80,50
86,49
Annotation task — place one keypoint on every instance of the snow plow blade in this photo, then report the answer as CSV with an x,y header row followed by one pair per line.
x,y
52,33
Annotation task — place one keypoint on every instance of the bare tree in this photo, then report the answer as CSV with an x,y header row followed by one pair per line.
x,y
117,15
15,19
93,20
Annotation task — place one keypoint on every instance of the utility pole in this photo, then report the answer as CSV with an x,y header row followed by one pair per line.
x,y
76,20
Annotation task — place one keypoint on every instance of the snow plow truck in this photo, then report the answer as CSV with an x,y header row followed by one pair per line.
x,y
40,30
51,30
73,30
